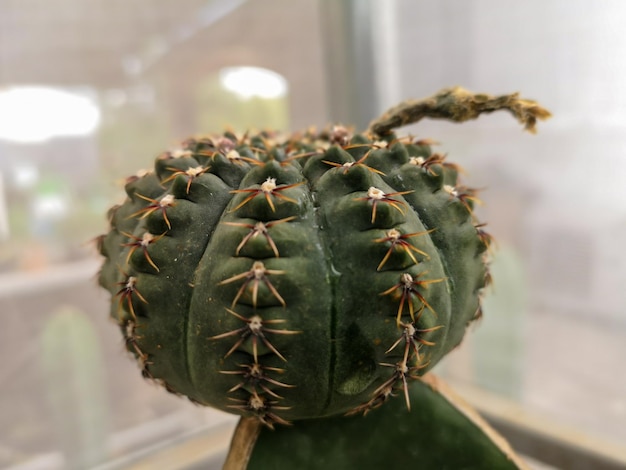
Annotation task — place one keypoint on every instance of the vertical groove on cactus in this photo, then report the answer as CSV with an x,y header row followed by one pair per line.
x,y
296,277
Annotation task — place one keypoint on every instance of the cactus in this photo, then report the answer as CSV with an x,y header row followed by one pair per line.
x,y
72,363
286,278
505,331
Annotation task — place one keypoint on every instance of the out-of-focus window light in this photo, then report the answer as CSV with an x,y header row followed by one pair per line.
x,y
25,176
248,82
50,206
33,114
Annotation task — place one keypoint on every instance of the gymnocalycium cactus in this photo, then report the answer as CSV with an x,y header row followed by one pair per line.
x,y
300,277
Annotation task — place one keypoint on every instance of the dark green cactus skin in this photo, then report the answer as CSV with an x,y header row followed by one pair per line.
x,y
305,278
437,434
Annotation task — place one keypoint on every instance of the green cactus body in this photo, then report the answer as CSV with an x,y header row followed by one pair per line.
x,y
441,433
289,281
294,278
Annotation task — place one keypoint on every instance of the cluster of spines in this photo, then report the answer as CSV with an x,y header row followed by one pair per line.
x,y
124,220
409,288
256,379
150,198
468,198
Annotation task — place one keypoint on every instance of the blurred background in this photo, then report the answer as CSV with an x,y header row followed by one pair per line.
x,y
91,91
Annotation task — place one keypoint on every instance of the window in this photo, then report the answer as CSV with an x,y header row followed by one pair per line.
x,y
92,91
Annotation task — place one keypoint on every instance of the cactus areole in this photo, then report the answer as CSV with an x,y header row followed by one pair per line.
x,y
302,276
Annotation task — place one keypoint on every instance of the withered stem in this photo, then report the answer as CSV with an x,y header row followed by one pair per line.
x,y
458,105
242,443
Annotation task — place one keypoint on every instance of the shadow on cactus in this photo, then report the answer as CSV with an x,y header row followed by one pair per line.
x,y
286,278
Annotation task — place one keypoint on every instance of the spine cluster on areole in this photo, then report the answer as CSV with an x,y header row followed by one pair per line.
x,y
258,380
407,292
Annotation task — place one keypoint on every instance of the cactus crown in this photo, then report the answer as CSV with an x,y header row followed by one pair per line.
x,y
296,277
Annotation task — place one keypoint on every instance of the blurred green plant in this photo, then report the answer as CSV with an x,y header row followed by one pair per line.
x,y
75,385
505,306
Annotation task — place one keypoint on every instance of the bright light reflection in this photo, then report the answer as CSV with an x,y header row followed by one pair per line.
x,y
33,114
50,206
253,81
25,176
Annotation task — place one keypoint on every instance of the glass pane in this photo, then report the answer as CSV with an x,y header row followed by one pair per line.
x,y
553,336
